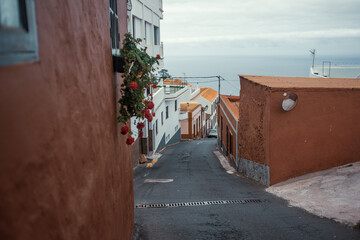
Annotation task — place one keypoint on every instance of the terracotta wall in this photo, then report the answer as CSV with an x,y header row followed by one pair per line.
x,y
253,122
321,132
196,114
65,171
184,126
226,116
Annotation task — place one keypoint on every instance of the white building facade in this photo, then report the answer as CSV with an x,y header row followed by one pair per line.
x,y
144,23
144,18
166,127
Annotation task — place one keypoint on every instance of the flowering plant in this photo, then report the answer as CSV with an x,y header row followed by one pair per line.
x,y
137,77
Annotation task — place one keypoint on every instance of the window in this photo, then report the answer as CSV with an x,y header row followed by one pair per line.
x,y
162,118
231,143
114,26
167,112
196,126
221,128
18,34
148,39
227,140
156,35
136,27
156,127
175,105
133,26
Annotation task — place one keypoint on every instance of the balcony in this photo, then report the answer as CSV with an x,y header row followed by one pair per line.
x,y
174,91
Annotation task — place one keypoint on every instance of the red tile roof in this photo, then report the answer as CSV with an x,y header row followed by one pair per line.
x,y
176,81
232,102
297,82
207,93
189,106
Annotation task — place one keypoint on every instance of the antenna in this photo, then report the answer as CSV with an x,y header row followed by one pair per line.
x,y
313,51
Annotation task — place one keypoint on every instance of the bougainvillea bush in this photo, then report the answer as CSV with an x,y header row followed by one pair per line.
x,y
137,78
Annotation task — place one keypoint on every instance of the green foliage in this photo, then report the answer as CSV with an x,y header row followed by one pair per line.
x,y
164,73
138,68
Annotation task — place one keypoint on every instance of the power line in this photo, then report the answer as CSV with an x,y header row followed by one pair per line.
x,y
205,81
228,82
196,77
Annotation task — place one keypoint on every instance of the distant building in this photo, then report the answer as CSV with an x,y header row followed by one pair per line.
x,y
333,70
165,126
208,98
228,118
277,141
190,118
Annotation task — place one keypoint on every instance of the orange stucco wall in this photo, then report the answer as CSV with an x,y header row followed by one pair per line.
x,y
65,171
321,132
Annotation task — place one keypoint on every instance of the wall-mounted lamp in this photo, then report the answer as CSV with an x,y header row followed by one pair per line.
x,y
289,101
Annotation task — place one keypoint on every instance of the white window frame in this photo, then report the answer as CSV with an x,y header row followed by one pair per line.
x,y
20,44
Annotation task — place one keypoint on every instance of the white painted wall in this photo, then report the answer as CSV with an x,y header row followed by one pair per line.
x,y
171,124
143,18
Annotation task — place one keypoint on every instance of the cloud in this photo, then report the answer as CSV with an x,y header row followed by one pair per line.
x,y
259,23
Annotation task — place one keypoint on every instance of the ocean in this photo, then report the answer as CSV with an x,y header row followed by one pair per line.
x,y
229,67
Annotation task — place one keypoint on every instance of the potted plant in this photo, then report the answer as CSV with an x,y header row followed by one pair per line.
x,y
118,62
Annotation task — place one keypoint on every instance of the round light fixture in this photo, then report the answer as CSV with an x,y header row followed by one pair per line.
x,y
289,101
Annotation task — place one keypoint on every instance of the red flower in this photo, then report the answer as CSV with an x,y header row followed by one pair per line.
x,y
150,94
133,85
154,86
150,118
150,105
146,112
141,134
129,140
153,114
140,125
158,56
124,130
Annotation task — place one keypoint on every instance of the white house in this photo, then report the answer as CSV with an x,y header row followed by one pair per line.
x,y
166,123
208,98
144,22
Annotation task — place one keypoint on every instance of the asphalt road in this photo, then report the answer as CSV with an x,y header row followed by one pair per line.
x,y
190,172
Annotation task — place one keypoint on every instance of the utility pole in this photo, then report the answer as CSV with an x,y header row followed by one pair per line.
x,y
313,51
219,86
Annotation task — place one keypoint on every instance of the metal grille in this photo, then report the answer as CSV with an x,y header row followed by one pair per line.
x,y
194,204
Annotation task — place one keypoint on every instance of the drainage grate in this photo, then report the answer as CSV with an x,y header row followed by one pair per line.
x,y
193,204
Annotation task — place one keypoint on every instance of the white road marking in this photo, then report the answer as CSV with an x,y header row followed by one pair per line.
x,y
158,180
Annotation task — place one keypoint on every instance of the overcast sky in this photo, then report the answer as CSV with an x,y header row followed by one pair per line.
x,y
261,27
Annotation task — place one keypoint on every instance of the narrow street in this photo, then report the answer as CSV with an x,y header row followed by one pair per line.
x,y
190,172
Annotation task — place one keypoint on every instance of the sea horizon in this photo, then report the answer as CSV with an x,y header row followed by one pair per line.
x,y
229,67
